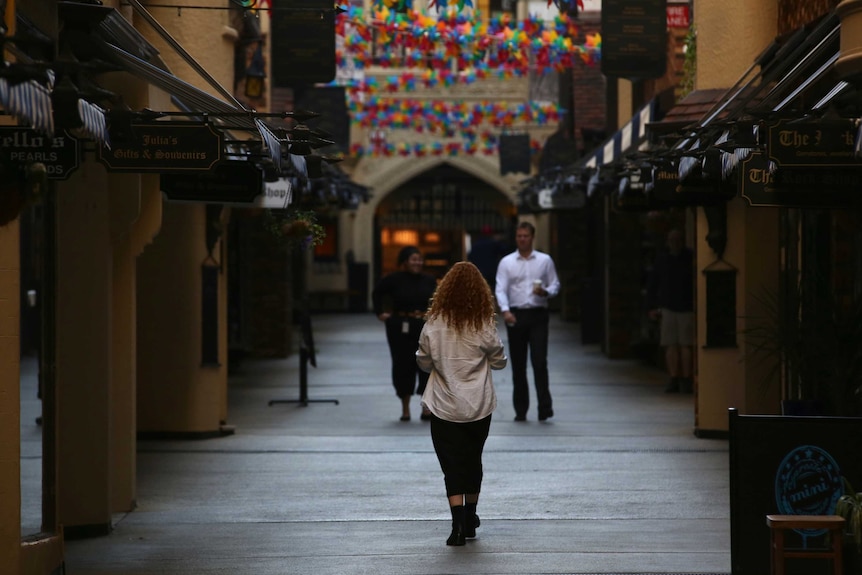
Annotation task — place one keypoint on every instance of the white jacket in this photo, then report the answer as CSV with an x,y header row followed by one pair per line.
x,y
460,388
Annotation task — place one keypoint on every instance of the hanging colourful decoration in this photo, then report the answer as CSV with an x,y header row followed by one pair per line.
x,y
499,48
484,143
443,50
448,117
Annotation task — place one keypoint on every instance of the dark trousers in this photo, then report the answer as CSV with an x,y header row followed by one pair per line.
x,y
529,333
402,349
459,449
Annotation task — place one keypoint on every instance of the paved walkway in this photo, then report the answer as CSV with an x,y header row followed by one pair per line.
x,y
615,483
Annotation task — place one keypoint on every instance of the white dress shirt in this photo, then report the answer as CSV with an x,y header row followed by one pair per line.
x,y
460,388
515,275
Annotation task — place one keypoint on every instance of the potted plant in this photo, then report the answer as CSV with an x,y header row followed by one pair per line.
x,y
295,229
849,506
812,342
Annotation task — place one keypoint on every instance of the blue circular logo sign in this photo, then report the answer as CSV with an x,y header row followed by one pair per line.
x,y
808,482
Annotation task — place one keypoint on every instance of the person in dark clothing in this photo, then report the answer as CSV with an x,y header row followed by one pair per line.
x,y
400,300
485,254
670,298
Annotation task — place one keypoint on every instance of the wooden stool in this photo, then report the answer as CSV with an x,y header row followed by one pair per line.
x,y
778,524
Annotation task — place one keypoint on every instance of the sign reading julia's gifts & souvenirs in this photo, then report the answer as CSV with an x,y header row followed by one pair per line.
x,y
164,147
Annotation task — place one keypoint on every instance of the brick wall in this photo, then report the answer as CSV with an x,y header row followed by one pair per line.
x,y
589,96
795,13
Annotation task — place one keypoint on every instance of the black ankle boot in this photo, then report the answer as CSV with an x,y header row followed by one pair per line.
x,y
457,535
471,520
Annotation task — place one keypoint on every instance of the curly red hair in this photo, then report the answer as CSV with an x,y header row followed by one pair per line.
x,y
463,299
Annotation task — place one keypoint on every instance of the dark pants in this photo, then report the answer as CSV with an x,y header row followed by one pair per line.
x,y
530,332
402,349
459,449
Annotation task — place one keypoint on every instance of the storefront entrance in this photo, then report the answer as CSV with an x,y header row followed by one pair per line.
x,y
440,212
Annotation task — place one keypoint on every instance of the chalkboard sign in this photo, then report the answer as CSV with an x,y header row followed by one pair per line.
x,y
634,38
331,104
303,42
231,182
720,308
786,465
514,154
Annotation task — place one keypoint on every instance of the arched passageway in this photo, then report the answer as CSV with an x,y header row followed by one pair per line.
x,y
440,211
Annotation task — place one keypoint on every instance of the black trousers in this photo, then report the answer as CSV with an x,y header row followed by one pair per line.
x,y
459,449
530,333
402,349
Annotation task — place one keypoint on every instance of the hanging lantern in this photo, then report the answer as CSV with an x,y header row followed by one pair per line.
x,y
255,75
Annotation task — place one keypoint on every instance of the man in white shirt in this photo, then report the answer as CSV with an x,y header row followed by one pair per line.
x,y
526,278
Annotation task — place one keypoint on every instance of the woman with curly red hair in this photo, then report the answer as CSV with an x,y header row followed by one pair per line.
x,y
459,346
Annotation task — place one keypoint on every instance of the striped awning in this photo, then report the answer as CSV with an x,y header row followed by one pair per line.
x,y
94,123
29,102
194,98
632,136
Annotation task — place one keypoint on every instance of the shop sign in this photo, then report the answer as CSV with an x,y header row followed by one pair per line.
x,y
632,200
818,143
569,198
810,187
22,146
165,147
563,197
665,185
303,37
276,195
678,15
668,191
789,465
514,150
634,38
228,183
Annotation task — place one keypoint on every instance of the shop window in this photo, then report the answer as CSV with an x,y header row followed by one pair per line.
x,y
327,251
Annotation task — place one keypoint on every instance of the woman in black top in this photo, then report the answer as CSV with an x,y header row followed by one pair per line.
x,y
400,300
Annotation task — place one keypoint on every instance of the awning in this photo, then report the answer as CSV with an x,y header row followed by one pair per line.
x,y
197,102
567,187
29,102
631,137
792,78
102,34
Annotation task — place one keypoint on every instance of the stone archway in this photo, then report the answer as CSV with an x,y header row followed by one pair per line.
x,y
387,175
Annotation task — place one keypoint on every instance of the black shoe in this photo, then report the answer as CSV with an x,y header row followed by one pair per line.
x,y
426,415
470,528
546,415
520,418
456,538
672,385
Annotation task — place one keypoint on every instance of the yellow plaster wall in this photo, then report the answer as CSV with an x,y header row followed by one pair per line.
x,y
176,393
83,345
10,400
201,33
729,36
125,207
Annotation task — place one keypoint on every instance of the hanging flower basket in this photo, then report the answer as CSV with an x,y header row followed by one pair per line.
x,y
295,229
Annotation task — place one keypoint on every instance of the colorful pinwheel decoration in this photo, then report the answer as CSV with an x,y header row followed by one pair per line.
x,y
452,47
